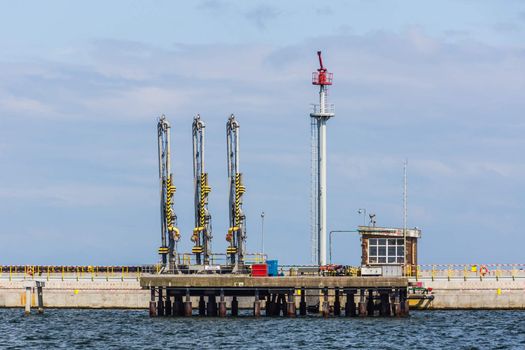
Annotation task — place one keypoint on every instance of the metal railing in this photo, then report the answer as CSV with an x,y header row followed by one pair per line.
x,y
467,271
97,272
53,272
127,273
221,259
328,108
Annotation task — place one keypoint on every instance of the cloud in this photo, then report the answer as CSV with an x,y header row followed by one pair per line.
x,y
452,106
324,11
214,6
74,194
262,14
506,27
20,105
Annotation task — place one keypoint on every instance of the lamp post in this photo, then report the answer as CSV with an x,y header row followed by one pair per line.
x,y
262,232
330,240
362,211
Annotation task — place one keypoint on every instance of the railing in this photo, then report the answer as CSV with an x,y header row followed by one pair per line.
x,y
468,271
221,259
328,108
95,272
48,272
127,273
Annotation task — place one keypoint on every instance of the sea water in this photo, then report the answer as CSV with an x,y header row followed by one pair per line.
x,y
134,329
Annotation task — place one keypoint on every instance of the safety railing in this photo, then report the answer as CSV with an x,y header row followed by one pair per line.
x,y
127,273
220,259
328,108
469,271
90,272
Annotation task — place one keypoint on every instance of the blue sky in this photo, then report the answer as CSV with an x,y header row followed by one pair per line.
x,y
441,84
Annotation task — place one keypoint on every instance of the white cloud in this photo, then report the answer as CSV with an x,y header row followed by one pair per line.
x,y
21,105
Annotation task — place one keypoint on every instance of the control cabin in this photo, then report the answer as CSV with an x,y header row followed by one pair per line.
x,y
384,250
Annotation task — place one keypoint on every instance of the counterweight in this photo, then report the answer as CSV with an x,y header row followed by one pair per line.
x,y
202,232
169,232
236,235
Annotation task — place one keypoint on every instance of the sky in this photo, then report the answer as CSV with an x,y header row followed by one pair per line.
x,y
439,83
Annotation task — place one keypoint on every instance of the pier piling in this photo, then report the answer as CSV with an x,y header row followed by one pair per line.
x,y
362,303
187,305
160,304
202,306
291,304
212,306
326,306
235,307
337,303
168,304
222,305
302,303
273,305
370,305
283,304
397,304
350,310
178,306
256,305
27,310
384,306
152,304
40,295
404,302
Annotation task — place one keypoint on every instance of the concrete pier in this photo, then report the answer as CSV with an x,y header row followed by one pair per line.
x,y
279,293
125,291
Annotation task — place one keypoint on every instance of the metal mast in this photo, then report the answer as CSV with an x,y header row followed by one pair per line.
x,y
169,232
314,187
405,212
236,235
202,231
322,112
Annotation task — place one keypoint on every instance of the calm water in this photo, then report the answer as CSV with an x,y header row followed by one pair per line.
x,y
122,329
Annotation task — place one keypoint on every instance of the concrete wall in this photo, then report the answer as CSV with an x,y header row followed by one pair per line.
x,y
88,293
502,293
79,294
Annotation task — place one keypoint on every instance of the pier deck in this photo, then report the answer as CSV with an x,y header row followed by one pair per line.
x,y
385,296
284,282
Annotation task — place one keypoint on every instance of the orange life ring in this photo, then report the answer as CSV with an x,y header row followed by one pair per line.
x,y
483,270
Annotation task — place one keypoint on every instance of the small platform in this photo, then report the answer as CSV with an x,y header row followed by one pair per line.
x,y
363,296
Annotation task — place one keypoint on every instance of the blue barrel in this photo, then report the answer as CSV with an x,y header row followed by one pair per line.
x,y
273,267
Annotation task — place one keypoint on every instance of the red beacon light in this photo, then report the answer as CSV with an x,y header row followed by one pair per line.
x,y
322,77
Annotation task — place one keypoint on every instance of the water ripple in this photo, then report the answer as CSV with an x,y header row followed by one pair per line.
x,y
133,329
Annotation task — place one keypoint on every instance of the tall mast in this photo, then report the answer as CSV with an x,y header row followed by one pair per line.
x,y
405,212
236,235
169,232
322,112
202,232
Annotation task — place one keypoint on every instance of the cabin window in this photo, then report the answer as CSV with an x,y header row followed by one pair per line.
x,y
386,251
